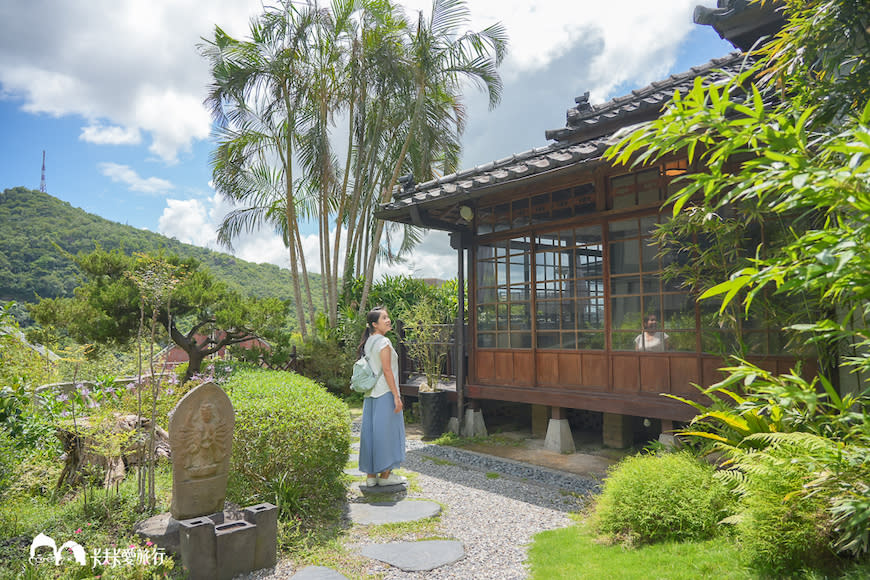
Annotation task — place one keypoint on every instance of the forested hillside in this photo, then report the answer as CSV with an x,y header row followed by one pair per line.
x,y
31,222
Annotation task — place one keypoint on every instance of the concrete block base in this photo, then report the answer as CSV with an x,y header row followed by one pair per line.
x,y
215,547
559,438
453,425
473,425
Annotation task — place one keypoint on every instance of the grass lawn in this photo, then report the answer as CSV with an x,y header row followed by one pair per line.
x,y
572,553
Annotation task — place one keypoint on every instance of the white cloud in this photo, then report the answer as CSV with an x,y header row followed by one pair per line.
x,y
133,65
134,182
114,135
124,63
195,221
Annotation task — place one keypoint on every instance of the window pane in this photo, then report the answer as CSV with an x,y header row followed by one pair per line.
x,y
501,217
563,204
501,272
648,186
568,314
501,317
486,340
541,208
521,318
650,255
486,317
623,341
624,257
588,235
549,340
679,312
521,340
590,340
625,285
520,213
651,283
547,317
486,295
591,313
623,229
681,341
625,313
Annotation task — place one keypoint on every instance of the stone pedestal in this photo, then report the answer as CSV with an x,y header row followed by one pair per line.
x,y
617,431
265,517
197,548
559,438
473,425
453,425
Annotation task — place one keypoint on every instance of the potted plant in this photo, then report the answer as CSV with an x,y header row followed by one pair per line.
x,y
426,337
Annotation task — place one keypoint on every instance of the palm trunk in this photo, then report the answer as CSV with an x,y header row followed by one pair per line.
x,y
387,193
305,278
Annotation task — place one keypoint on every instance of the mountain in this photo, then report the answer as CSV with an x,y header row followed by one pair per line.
x,y
32,222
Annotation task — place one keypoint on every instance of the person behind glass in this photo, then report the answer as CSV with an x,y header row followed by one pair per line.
x,y
382,437
650,340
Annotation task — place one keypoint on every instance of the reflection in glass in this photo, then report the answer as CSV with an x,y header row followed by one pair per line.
x,y
486,317
590,340
679,312
625,285
624,257
521,340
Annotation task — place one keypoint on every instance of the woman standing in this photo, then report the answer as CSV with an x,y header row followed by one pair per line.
x,y
651,340
382,438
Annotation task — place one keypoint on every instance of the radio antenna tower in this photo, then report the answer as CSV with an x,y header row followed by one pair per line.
x,y
42,181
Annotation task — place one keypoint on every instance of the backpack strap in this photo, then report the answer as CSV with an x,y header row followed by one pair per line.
x,y
368,362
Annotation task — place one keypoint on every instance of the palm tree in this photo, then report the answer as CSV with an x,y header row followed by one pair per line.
x,y
439,58
255,99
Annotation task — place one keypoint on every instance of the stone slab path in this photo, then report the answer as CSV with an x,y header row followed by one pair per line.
x,y
317,573
492,509
406,510
416,556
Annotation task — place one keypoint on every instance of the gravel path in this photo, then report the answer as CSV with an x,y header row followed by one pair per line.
x,y
493,506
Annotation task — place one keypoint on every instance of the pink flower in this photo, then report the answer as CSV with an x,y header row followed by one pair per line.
x,y
78,531
132,546
149,543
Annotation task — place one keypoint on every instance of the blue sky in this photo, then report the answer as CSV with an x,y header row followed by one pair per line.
x,y
112,91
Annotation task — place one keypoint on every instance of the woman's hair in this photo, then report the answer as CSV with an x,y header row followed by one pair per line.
x,y
373,316
646,320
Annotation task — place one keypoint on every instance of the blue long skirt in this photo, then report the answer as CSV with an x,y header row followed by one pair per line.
x,y
382,436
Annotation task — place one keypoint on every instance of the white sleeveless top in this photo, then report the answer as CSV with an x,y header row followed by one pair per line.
x,y
373,347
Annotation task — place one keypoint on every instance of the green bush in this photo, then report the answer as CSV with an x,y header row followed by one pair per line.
x,y
325,362
653,498
781,530
291,442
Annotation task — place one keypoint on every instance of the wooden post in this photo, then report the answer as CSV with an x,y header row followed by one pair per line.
x,y
459,361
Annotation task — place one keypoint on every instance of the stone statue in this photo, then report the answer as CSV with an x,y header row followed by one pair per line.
x,y
201,437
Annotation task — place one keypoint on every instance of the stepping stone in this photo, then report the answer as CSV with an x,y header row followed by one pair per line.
x,y
353,457
416,556
354,471
397,488
317,573
393,512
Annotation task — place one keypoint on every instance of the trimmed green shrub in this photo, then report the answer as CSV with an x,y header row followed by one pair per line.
x,y
654,498
324,361
291,442
781,530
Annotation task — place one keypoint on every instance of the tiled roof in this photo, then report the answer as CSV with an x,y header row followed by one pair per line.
x,y
585,118
585,138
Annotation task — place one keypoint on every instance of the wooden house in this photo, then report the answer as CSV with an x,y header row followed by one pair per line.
x,y
555,245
